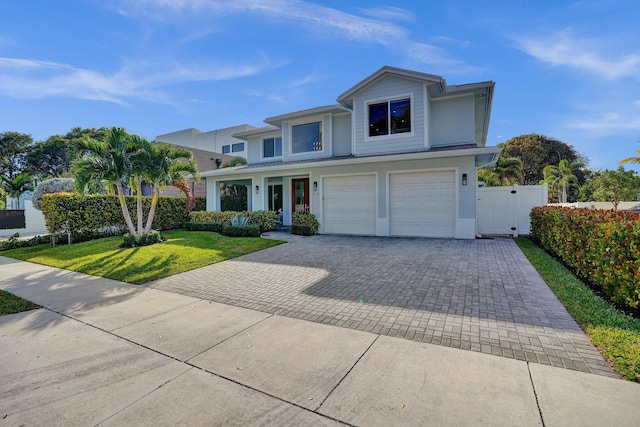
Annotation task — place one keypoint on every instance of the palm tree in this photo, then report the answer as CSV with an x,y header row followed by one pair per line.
x,y
165,165
560,175
631,159
110,162
507,171
16,187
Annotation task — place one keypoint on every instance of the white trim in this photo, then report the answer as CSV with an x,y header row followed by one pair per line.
x,y
388,100
458,95
306,121
427,121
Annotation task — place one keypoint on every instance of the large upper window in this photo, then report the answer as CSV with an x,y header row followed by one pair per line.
x,y
306,138
390,117
272,147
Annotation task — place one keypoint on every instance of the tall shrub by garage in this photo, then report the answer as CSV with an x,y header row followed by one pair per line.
x,y
603,247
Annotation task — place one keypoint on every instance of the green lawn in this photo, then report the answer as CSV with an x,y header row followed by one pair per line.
x,y
10,304
182,251
616,334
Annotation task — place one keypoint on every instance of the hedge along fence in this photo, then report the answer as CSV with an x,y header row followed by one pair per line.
x,y
602,246
265,219
94,216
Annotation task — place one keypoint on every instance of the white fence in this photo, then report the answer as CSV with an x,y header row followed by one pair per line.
x,y
505,210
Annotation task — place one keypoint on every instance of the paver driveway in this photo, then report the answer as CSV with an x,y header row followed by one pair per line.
x,y
479,295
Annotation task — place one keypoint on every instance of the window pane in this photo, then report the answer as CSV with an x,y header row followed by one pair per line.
x,y
378,119
267,147
226,149
306,138
400,116
237,147
278,147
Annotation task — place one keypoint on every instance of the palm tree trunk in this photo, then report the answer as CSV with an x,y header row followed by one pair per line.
x,y
139,206
152,209
125,210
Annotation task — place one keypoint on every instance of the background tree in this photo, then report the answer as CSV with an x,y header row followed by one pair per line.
x,y
611,186
13,153
537,151
16,187
507,171
561,181
632,159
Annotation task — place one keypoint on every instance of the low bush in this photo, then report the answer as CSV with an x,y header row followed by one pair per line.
x,y
203,226
249,230
266,220
14,242
304,224
603,247
131,241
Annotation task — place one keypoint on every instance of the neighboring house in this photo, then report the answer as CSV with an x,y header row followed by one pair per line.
x,y
205,160
397,156
218,141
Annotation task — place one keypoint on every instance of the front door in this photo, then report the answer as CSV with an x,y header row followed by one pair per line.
x,y
300,195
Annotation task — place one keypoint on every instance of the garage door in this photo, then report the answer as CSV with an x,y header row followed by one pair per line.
x,y
349,205
423,204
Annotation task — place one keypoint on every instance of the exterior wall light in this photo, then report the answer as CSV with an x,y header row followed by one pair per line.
x,y
464,179
257,189
315,185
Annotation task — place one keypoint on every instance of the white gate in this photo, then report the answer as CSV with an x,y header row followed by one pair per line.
x,y
505,210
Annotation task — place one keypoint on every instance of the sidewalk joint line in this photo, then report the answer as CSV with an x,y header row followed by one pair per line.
x,y
535,394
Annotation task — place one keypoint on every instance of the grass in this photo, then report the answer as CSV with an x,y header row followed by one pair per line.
x,y
182,251
10,304
614,333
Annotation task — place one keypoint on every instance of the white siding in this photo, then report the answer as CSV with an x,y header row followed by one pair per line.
x,y
452,121
390,88
342,134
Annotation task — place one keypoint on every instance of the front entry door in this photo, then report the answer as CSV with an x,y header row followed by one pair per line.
x,y
300,195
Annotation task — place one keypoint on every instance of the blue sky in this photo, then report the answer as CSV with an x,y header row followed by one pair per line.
x,y
569,70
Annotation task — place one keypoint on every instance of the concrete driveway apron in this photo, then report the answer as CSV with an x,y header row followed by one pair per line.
x,y
477,295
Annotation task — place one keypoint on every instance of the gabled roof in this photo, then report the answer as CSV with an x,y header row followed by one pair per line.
x,y
277,120
389,71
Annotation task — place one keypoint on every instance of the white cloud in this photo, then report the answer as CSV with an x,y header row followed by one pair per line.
x,y
563,49
623,119
139,80
325,20
389,13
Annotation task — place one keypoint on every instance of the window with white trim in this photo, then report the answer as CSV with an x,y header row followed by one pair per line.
x,y
272,147
237,147
390,117
306,138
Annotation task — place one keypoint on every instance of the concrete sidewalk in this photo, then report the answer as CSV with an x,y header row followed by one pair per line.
x,y
103,352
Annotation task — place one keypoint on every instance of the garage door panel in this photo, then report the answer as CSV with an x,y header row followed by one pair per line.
x,y
423,204
349,205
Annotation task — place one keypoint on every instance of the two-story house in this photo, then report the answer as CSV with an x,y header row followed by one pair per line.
x,y
396,156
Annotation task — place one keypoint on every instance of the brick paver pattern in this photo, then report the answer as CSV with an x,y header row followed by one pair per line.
x,y
478,295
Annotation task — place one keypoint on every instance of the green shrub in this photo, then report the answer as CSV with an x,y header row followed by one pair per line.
x,y
203,226
131,241
603,247
14,242
305,224
250,230
54,185
266,220
95,216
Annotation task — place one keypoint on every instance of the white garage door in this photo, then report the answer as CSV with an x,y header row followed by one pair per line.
x,y
349,204
423,204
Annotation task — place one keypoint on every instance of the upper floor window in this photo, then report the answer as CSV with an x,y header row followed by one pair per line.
x,y
226,149
390,117
306,138
237,147
272,147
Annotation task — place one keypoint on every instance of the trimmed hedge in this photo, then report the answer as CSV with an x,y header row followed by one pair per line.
x,y
603,247
203,226
250,230
95,216
266,220
304,224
